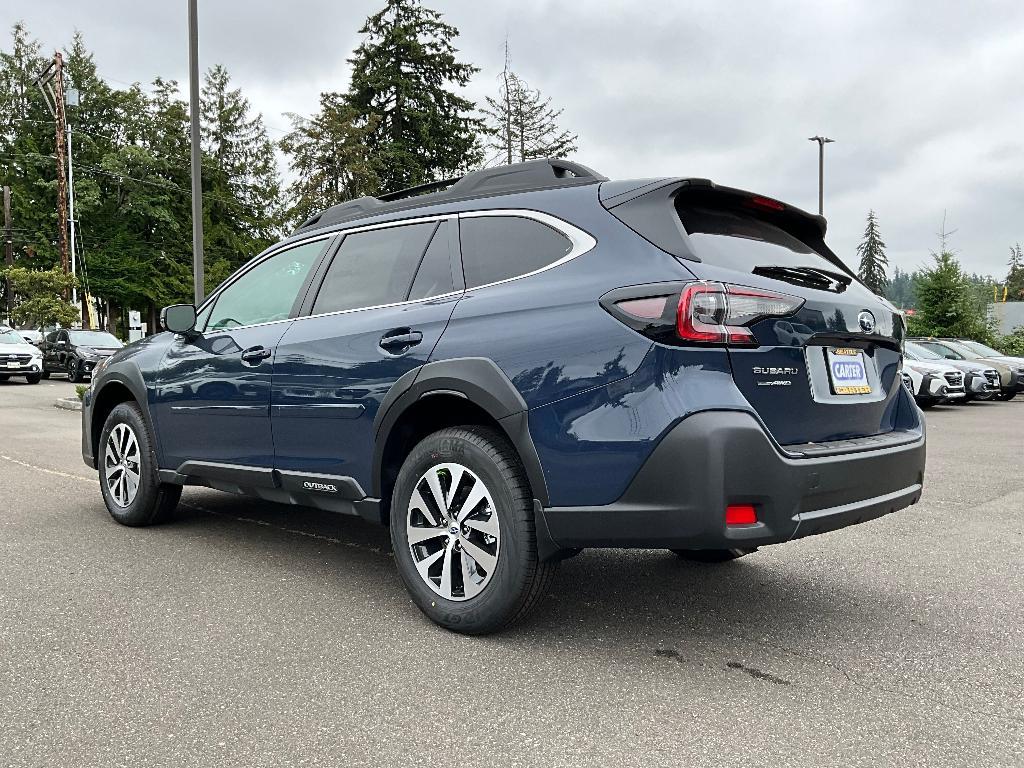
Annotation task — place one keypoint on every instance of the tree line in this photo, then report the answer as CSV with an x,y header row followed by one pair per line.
x,y
401,122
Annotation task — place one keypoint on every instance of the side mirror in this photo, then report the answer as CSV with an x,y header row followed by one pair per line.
x,y
179,318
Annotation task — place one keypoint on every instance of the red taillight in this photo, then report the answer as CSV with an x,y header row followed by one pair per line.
x,y
714,313
650,309
740,514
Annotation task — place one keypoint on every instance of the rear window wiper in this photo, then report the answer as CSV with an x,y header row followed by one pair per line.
x,y
811,277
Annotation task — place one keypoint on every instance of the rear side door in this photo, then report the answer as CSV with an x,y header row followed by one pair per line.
x,y
383,302
212,400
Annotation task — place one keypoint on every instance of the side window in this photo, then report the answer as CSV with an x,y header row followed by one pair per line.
x,y
373,268
501,247
267,291
434,277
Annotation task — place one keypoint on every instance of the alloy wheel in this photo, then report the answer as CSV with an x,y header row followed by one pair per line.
x,y
453,531
121,465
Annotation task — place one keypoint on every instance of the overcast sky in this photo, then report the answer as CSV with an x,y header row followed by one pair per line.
x,y
925,99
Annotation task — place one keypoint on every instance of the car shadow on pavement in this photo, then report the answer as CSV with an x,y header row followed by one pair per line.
x,y
622,596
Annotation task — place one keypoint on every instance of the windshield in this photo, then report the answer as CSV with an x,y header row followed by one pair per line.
x,y
917,352
11,337
967,354
981,349
942,350
94,339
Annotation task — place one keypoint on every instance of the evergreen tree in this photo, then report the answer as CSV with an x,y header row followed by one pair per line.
x,y
901,289
873,260
327,154
946,300
27,146
522,123
403,74
241,188
1015,276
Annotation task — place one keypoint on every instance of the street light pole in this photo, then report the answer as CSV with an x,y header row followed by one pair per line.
x,y
197,167
822,141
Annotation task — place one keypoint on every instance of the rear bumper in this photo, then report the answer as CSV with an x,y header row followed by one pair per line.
x,y
714,459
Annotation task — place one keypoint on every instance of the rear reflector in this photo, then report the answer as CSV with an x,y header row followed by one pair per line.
x,y
650,309
740,514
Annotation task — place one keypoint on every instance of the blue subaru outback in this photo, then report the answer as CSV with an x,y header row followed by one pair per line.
x,y
511,367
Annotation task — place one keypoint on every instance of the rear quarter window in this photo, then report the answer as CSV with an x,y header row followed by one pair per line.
x,y
496,248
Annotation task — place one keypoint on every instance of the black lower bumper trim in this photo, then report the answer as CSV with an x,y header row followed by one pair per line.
x,y
711,460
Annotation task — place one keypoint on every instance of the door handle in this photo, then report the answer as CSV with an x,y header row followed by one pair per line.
x,y
255,355
401,340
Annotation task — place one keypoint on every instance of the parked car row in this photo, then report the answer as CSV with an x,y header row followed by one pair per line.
x,y
66,351
959,371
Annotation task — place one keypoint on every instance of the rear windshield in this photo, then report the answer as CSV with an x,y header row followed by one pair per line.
x,y
741,241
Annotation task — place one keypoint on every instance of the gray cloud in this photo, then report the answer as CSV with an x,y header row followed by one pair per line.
x,y
924,99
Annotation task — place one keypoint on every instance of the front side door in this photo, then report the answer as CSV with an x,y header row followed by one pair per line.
x,y
212,401
380,309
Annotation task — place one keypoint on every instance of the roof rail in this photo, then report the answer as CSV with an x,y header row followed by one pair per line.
x,y
504,179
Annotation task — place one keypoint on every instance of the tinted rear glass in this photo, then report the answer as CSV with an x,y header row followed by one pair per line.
x,y
741,241
373,268
498,248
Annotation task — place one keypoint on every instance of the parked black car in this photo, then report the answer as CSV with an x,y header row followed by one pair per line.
x,y
76,353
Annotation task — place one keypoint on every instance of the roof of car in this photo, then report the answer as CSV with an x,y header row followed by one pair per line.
x,y
532,175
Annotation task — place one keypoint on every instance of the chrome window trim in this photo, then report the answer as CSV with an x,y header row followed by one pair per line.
x,y
582,242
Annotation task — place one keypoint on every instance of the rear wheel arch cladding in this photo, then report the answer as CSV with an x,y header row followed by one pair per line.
x,y
485,386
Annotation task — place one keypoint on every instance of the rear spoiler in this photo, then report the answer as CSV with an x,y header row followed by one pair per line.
x,y
642,206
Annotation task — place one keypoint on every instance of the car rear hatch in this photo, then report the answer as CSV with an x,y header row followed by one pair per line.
x,y
814,352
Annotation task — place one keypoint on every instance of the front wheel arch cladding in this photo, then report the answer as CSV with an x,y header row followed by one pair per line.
x,y
481,382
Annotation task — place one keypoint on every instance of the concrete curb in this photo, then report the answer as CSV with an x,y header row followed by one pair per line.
x,y
68,403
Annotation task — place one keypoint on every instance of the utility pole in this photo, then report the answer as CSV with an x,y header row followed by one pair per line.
x,y
8,249
72,101
197,157
51,83
822,141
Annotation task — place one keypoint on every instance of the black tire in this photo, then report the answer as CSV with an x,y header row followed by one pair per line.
x,y
1006,396
712,555
74,371
154,501
45,374
519,579
34,378
4,377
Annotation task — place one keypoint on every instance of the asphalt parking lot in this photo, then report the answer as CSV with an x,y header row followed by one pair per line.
x,y
247,634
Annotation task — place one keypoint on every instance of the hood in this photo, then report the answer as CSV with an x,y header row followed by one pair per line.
x,y
971,365
924,367
18,349
1013,362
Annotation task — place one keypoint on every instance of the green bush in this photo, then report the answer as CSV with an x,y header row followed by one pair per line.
x,y
1012,344
80,390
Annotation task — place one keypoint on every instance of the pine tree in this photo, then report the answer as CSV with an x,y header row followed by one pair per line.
x,y
873,260
1015,276
327,154
946,300
522,123
241,187
404,73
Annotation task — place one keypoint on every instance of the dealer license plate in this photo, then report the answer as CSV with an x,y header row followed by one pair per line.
x,y
847,371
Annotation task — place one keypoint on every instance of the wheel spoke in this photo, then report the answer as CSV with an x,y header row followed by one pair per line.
x,y
131,484
423,566
418,535
483,559
446,571
110,457
476,494
418,502
434,483
470,585
488,526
